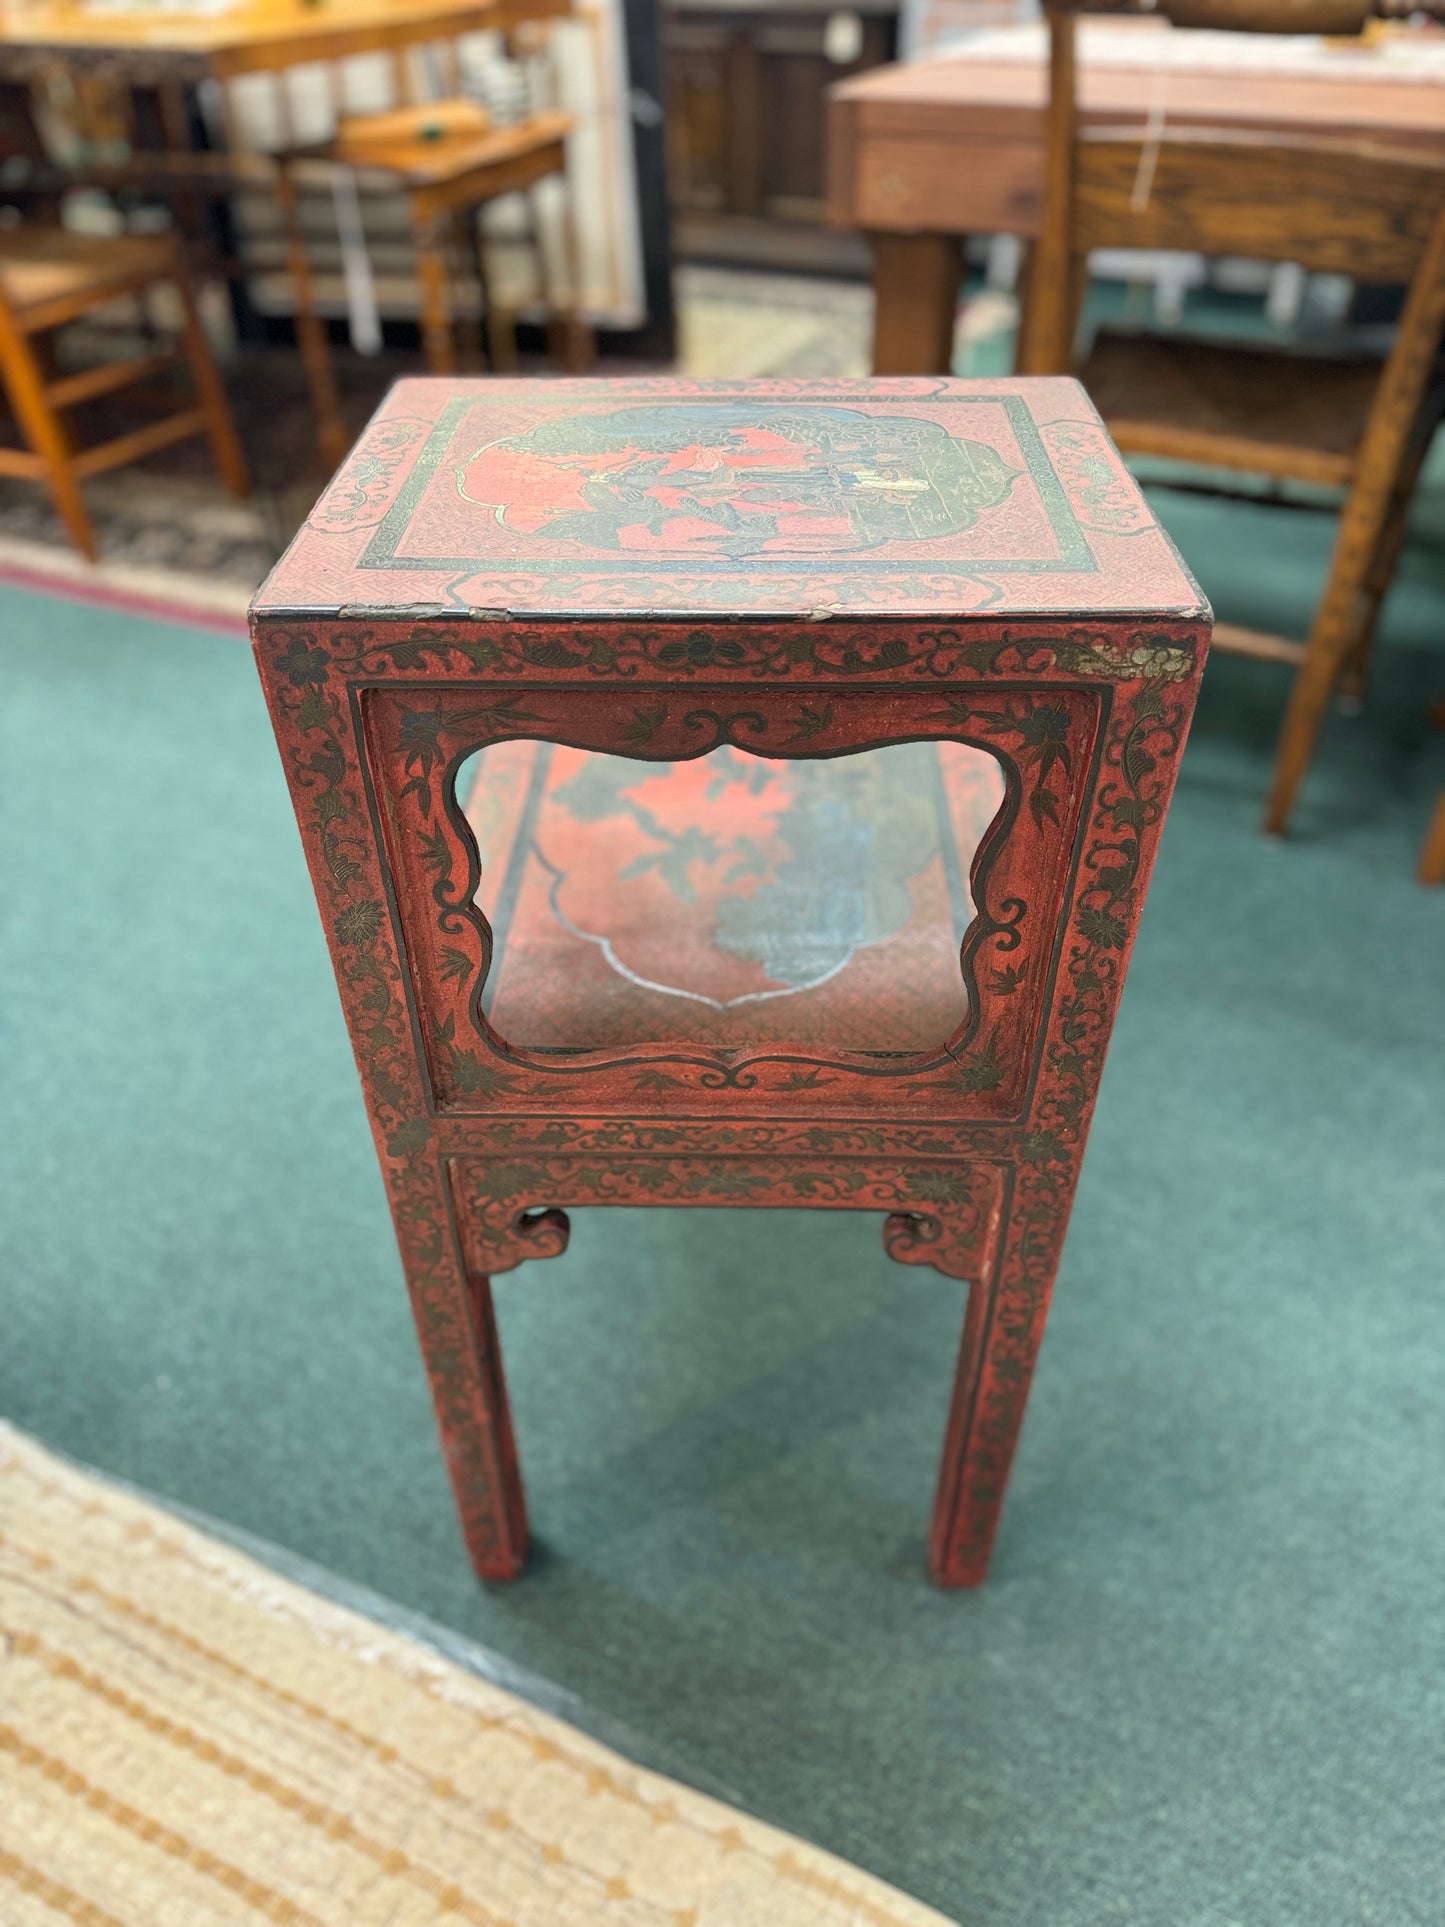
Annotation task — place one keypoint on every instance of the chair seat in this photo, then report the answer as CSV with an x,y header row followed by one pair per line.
x,y
1283,412
440,142
41,265
731,901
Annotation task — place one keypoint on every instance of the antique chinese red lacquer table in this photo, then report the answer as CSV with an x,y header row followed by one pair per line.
x,y
731,793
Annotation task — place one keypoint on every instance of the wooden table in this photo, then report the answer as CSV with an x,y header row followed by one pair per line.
x,y
152,48
158,60
924,153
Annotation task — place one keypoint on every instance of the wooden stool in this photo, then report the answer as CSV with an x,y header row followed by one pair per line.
x,y
451,161
50,276
726,793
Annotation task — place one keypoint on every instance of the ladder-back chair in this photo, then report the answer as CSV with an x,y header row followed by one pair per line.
x,y
1293,414
50,277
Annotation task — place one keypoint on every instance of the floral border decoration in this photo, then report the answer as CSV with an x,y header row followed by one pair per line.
x,y
668,652
419,741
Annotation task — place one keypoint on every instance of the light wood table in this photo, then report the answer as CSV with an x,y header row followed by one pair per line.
x,y
924,153
151,48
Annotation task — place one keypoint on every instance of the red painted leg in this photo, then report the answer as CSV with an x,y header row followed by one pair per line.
x,y
1004,1323
1003,1233
451,1297
506,1495
464,1363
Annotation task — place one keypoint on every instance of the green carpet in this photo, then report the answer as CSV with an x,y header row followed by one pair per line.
x,y
1204,1685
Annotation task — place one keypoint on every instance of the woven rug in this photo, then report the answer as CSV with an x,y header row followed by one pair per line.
x,y
189,1740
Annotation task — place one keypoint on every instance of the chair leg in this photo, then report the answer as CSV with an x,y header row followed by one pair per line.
x,y
1381,465
569,336
436,325
1367,550
220,423
45,432
463,254
311,335
1338,623
1381,571
1372,530
501,326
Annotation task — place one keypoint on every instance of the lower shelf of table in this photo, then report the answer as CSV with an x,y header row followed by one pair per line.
x,y
732,901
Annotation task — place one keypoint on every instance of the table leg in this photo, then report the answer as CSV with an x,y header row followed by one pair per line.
x,y
1007,1305
457,1328
429,245
916,280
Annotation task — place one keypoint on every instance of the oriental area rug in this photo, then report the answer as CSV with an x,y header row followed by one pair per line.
x,y
189,1740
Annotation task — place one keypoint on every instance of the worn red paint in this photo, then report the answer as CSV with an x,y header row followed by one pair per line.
x,y
667,571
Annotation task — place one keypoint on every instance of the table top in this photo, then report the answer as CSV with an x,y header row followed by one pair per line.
x,y
251,33
998,83
654,497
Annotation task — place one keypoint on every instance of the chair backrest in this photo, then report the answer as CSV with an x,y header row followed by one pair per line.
x,y
508,68
1340,207
1359,210
1338,17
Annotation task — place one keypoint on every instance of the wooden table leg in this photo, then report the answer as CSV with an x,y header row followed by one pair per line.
x,y
311,336
916,280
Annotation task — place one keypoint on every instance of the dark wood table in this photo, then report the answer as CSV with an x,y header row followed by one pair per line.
x,y
924,153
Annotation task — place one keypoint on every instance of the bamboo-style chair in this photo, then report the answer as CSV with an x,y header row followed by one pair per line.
x,y
50,276
1356,423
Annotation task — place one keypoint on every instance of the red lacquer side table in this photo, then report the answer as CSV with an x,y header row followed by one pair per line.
x,y
731,793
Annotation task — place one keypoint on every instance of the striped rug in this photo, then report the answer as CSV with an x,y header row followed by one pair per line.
x,y
189,1740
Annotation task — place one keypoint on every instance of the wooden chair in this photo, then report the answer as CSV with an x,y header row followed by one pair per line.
x,y
451,161
627,908
434,143
50,276
1352,423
